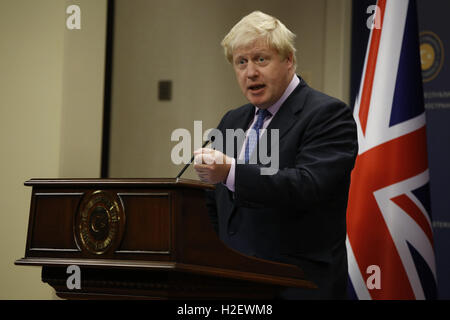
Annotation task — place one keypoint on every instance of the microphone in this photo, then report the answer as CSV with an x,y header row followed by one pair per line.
x,y
192,159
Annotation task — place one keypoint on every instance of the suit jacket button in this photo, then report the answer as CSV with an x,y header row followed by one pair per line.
x,y
231,233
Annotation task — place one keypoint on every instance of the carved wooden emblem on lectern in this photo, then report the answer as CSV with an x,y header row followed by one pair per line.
x,y
99,222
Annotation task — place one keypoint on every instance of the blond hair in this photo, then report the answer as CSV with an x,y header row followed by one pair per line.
x,y
258,25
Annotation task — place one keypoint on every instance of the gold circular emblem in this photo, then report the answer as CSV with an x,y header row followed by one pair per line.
x,y
99,222
427,55
431,55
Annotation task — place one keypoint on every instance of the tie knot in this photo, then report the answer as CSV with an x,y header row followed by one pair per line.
x,y
263,114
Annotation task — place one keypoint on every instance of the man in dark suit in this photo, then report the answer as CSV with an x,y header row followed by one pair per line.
x,y
297,213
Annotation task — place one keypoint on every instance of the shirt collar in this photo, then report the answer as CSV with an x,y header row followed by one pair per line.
x,y
273,109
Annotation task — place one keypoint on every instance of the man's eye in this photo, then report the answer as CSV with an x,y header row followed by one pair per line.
x,y
261,60
242,61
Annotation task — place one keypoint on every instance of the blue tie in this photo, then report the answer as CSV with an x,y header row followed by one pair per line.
x,y
253,136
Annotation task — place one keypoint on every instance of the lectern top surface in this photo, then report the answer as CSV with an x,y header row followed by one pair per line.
x,y
153,182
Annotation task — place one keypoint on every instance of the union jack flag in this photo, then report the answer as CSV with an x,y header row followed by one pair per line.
x,y
389,216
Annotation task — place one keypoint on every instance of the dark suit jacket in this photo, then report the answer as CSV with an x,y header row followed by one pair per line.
x,y
297,215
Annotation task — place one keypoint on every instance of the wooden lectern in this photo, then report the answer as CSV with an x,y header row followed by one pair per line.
x,y
141,238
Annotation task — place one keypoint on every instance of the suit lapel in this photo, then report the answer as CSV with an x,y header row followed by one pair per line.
x,y
241,121
286,115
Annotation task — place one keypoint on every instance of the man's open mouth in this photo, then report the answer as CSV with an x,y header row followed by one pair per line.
x,y
257,87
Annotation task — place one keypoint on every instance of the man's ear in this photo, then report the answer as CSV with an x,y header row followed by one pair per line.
x,y
290,59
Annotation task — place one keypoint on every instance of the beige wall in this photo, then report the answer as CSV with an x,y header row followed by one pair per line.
x,y
180,41
337,49
51,83
82,96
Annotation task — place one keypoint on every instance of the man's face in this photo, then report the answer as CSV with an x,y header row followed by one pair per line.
x,y
261,73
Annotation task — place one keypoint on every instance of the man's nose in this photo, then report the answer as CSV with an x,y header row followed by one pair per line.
x,y
252,70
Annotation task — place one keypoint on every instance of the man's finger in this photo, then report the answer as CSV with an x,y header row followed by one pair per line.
x,y
208,158
203,150
201,167
198,159
204,158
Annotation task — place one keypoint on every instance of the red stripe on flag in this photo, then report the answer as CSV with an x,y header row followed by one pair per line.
x,y
404,202
369,236
370,68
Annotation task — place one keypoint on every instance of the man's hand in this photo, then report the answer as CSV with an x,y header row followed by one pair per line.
x,y
212,166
